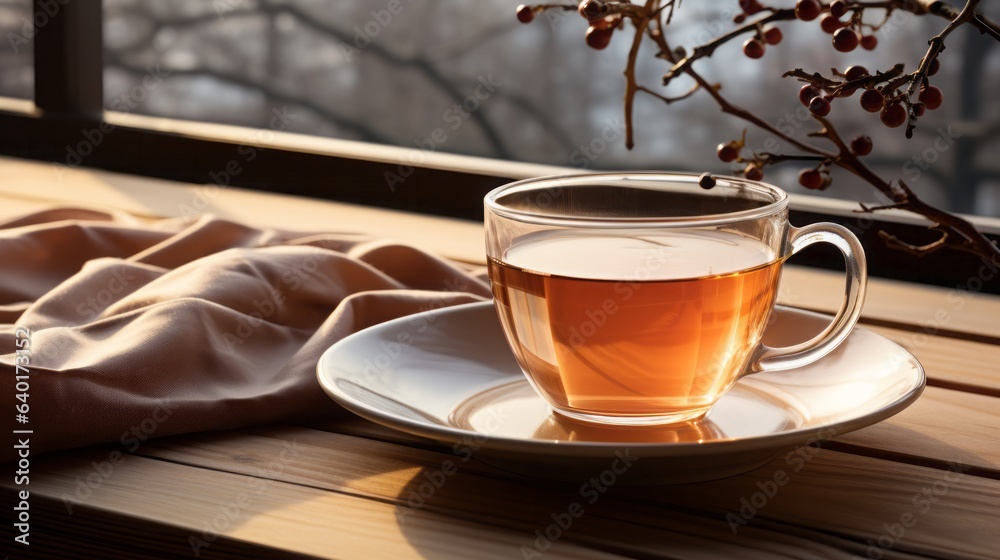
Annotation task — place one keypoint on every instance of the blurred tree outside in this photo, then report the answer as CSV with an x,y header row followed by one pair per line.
x,y
393,71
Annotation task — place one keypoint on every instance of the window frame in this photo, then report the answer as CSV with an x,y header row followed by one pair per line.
x,y
68,105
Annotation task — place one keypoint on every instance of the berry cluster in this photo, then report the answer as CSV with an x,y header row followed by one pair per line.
x,y
754,46
889,100
602,24
602,20
767,35
847,35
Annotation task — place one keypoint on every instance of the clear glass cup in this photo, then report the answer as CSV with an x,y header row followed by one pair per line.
x,y
641,298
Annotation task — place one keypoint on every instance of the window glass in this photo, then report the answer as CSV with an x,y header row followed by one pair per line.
x,y
464,76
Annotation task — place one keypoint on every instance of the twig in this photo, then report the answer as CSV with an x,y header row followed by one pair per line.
x,y
708,49
933,50
631,87
917,250
668,100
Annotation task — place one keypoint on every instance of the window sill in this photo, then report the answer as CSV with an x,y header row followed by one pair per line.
x,y
32,186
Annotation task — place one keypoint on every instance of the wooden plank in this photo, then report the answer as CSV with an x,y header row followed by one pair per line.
x,y
167,504
931,309
942,426
155,198
815,514
949,362
98,533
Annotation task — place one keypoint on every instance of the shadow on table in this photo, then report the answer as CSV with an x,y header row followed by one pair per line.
x,y
831,500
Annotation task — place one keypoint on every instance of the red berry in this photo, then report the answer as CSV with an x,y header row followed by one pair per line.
x,y
808,10
845,40
751,7
861,145
869,42
838,8
819,106
919,109
739,18
772,35
753,172
753,48
893,115
855,72
525,14
806,94
872,101
810,178
830,24
935,66
592,9
931,96
598,38
727,152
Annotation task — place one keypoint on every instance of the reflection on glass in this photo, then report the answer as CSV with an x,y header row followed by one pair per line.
x,y
695,431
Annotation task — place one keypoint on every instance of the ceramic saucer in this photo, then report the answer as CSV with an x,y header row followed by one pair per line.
x,y
448,375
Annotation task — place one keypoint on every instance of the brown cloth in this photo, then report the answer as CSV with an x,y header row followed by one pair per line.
x,y
148,329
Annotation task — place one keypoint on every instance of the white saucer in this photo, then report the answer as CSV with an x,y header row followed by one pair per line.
x,y
448,375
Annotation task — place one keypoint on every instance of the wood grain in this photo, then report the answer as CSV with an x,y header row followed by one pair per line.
x,y
932,309
949,362
816,513
943,426
251,512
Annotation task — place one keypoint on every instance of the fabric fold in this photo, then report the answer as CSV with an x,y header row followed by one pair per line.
x,y
175,327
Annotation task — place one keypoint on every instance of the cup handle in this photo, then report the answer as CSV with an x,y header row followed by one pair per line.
x,y
775,359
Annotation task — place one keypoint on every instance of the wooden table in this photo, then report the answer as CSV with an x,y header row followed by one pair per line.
x,y
925,483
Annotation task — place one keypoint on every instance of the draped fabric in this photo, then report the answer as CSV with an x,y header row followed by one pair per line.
x,y
128,329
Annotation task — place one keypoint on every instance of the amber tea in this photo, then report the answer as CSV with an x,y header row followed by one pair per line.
x,y
634,323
